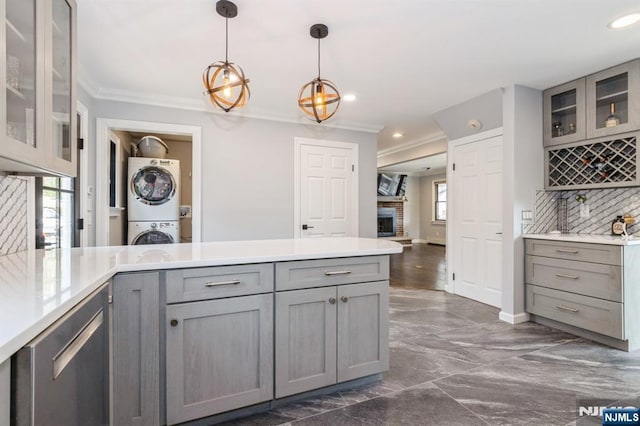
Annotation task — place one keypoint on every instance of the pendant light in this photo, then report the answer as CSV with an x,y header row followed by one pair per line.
x,y
225,82
319,99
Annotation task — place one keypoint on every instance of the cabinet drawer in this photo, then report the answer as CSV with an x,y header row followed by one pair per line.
x,y
184,285
590,279
324,272
597,253
600,316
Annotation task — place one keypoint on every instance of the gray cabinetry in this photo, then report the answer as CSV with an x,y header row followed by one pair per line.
x,y
219,353
136,350
587,286
333,332
564,113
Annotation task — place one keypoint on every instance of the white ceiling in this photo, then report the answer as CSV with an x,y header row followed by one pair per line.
x,y
404,59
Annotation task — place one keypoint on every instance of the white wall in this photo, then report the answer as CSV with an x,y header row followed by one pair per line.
x,y
411,208
486,108
430,232
89,145
247,169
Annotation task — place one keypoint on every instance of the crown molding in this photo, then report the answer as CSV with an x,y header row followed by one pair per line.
x,y
191,104
412,144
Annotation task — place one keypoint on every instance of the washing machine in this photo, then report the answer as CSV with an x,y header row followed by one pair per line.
x,y
142,233
153,189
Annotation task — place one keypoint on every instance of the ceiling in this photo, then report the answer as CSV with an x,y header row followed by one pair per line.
x,y
404,60
426,166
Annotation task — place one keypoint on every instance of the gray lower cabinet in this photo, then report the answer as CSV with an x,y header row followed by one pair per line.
x,y
329,335
136,349
219,355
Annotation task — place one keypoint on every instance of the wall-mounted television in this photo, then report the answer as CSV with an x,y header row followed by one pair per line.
x,y
391,184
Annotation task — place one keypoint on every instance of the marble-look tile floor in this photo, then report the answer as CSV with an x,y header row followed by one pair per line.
x,y
452,362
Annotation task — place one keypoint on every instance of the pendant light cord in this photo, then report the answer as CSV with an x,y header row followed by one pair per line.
x,y
318,59
226,39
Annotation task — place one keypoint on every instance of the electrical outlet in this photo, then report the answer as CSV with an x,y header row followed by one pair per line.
x,y
527,215
585,212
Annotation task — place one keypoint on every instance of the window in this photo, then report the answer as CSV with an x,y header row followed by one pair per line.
x,y
440,201
55,212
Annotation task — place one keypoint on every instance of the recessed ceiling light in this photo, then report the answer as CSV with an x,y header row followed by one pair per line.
x,y
624,21
397,135
349,97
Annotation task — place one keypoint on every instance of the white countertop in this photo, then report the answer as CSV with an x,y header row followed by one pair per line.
x,y
37,287
587,238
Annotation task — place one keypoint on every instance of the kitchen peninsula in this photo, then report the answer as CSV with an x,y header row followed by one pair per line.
x,y
259,289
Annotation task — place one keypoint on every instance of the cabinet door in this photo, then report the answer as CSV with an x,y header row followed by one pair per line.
x,y
136,349
618,86
305,340
363,329
564,113
219,356
60,80
22,82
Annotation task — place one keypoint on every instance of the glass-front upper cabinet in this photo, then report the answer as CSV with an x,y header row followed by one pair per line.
x,y
61,98
37,79
613,100
564,113
22,82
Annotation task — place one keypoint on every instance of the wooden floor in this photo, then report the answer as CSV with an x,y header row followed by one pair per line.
x,y
422,266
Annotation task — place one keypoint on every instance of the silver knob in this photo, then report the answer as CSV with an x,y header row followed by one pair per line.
x,y
345,299
332,300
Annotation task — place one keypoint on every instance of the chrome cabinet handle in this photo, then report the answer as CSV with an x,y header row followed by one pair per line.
x,y
567,251
329,273
345,299
215,284
573,277
70,350
566,308
332,300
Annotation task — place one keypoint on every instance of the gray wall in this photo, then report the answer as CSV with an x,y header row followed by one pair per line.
x,y
89,144
247,169
411,208
486,108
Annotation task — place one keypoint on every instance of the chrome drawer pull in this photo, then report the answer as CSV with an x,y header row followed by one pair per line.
x,y
328,273
567,251
566,308
232,282
573,277
71,349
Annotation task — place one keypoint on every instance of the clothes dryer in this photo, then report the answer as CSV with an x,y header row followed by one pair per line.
x,y
142,233
153,189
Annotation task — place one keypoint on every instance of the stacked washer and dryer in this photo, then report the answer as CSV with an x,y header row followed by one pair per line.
x,y
153,195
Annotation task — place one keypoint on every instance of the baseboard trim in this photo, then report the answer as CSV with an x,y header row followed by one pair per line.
x,y
513,319
438,241
419,241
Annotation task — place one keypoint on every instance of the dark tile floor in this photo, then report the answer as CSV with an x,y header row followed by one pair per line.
x,y
454,363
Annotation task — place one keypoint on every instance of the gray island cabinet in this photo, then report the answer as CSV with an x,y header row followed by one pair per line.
x,y
216,339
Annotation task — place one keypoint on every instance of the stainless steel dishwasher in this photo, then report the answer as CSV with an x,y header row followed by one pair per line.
x,y
61,377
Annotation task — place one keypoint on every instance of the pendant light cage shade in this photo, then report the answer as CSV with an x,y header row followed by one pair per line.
x,y
225,82
319,99
226,85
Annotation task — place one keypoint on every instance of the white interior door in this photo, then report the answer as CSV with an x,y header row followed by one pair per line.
x,y
326,189
477,211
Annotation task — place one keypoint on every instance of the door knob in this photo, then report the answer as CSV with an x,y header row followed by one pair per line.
x,y
305,227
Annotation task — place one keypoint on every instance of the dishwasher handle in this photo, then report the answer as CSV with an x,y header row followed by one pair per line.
x,y
69,351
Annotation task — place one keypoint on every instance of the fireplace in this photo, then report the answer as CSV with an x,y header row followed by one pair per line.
x,y
386,222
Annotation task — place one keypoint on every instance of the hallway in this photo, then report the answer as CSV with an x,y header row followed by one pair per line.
x,y
422,266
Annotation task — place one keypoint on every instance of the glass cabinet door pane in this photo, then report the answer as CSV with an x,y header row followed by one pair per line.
x,y
563,113
612,101
20,30
61,78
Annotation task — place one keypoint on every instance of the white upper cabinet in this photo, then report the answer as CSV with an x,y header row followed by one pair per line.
x,y
38,79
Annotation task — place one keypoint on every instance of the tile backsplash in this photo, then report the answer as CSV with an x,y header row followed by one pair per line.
x,y
604,206
13,214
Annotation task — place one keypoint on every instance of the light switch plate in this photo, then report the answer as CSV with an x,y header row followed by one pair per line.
x,y
527,215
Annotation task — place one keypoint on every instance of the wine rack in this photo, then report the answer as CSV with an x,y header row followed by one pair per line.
x,y
600,164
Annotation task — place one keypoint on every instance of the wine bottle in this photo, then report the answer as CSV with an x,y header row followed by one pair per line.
x,y
612,120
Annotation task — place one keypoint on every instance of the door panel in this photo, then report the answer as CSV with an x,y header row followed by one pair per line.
x,y
477,221
305,340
